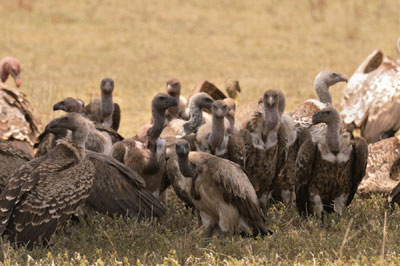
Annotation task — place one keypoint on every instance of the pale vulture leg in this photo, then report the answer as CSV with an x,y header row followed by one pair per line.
x,y
208,223
340,203
318,205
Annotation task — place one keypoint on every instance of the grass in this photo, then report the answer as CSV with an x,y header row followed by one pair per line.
x,y
66,49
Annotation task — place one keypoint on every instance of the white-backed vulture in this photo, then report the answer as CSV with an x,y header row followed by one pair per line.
x,y
211,136
17,122
329,171
244,111
220,190
302,115
11,159
100,138
182,110
148,158
46,191
103,110
383,172
260,148
371,99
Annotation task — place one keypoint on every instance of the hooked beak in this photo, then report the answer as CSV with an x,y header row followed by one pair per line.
x,y
17,79
270,101
343,78
59,106
219,112
315,118
172,101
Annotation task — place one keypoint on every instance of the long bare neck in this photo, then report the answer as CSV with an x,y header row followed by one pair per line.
x,y
332,136
79,137
185,167
158,123
323,92
174,111
231,120
217,132
107,105
271,119
196,117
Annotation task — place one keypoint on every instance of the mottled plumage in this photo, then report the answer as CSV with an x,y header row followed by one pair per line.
x,y
371,99
260,148
11,159
46,191
329,171
382,173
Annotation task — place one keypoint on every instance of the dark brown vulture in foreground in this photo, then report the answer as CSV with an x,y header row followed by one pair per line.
x,y
11,159
103,110
220,190
147,158
371,100
46,191
17,122
383,167
260,148
330,170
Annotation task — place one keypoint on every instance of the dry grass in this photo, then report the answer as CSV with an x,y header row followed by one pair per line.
x,y
66,49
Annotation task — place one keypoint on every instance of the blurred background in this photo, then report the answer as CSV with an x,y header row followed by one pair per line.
x,y
65,49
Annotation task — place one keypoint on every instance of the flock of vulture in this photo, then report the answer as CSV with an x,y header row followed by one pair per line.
x,y
229,164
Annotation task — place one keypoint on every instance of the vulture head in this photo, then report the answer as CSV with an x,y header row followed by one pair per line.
x,y
328,115
174,88
329,78
107,86
162,102
69,105
201,100
271,99
219,109
182,149
10,66
71,121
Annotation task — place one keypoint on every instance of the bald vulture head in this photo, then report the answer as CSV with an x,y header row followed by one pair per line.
x,y
230,103
328,115
107,86
182,148
323,81
71,121
70,105
174,87
271,99
201,100
219,109
162,101
10,66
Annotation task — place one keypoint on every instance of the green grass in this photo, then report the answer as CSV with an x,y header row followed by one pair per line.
x,y
355,238
66,49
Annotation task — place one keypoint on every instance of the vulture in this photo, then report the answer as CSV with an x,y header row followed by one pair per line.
x,y
230,116
383,167
100,138
371,100
17,122
11,159
219,189
42,194
260,148
244,111
329,171
212,137
302,115
104,111
232,88
148,158
180,111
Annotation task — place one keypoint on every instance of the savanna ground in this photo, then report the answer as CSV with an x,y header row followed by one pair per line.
x,y
67,47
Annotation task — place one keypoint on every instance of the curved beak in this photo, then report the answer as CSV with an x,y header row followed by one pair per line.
x,y
172,101
17,79
343,78
59,106
315,118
